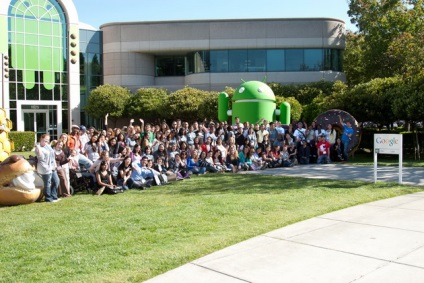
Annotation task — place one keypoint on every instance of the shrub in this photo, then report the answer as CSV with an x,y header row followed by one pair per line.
x,y
24,141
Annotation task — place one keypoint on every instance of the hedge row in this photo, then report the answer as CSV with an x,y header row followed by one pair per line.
x,y
24,141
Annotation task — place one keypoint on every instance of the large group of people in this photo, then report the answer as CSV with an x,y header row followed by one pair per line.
x,y
142,155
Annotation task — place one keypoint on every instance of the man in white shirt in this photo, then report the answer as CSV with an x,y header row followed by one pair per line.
x,y
84,138
300,133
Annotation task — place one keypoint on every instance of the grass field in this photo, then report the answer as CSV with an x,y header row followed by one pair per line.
x,y
136,235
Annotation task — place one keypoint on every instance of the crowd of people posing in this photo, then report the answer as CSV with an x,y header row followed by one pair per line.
x,y
139,156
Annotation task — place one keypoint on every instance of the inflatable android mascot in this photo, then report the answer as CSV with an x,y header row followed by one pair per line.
x,y
251,102
17,177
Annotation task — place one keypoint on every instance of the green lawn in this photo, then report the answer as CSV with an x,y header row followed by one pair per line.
x,y
366,158
136,235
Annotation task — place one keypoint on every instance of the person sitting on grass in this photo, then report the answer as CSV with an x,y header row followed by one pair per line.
x,y
205,160
269,158
113,164
178,165
233,160
141,175
284,157
337,151
257,159
219,161
292,149
304,153
193,163
124,174
104,180
245,161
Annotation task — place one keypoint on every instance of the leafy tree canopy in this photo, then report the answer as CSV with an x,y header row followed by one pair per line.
x,y
107,99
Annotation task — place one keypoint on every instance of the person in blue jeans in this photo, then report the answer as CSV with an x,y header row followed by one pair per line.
x,y
346,136
46,167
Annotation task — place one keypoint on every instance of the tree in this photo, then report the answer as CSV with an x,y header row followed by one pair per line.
x,y
353,59
107,99
147,103
382,23
185,103
372,101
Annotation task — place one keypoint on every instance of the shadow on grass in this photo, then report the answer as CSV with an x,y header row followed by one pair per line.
x,y
249,184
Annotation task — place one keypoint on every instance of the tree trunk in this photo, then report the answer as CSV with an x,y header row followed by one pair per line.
x,y
418,143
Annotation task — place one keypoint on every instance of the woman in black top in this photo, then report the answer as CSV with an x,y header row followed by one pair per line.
x,y
104,179
124,174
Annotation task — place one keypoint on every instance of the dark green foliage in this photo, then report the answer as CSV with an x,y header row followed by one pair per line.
x,y
23,141
106,99
147,103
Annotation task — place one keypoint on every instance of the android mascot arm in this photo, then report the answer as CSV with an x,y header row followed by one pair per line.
x,y
252,101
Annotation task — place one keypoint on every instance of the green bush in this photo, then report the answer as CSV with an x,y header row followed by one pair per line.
x,y
23,141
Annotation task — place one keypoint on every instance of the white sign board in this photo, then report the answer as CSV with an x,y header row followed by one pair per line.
x,y
388,144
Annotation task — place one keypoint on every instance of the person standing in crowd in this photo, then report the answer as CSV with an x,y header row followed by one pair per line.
x,y
260,134
273,134
74,143
324,148
299,133
331,134
346,136
61,166
83,137
46,167
92,149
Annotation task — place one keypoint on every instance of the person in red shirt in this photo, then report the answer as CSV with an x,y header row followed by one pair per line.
x,y
323,148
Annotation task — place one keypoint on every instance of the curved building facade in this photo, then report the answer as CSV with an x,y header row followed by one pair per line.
x,y
50,63
213,54
39,46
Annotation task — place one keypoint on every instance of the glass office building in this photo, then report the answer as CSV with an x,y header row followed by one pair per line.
x,y
51,61
213,54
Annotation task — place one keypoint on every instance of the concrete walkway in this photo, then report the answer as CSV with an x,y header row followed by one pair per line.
x,y
382,241
344,171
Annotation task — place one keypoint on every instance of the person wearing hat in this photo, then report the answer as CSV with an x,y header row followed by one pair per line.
x,y
323,147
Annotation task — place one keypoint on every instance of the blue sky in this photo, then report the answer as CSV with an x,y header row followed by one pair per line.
x,y
98,12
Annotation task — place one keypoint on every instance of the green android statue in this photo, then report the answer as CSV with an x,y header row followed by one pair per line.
x,y
253,101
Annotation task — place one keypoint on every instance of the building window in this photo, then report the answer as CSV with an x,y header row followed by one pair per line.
x,y
37,48
219,61
251,60
170,66
237,61
275,60
313,60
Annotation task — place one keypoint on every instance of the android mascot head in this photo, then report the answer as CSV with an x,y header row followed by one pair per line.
x,y
252,101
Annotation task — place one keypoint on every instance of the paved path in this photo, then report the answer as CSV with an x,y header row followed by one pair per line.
x,y
382,241
344,171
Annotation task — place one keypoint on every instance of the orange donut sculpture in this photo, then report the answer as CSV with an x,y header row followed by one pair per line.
x,y
17,182
332,117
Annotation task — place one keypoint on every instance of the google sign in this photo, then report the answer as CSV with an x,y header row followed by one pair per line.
x,y
388,144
